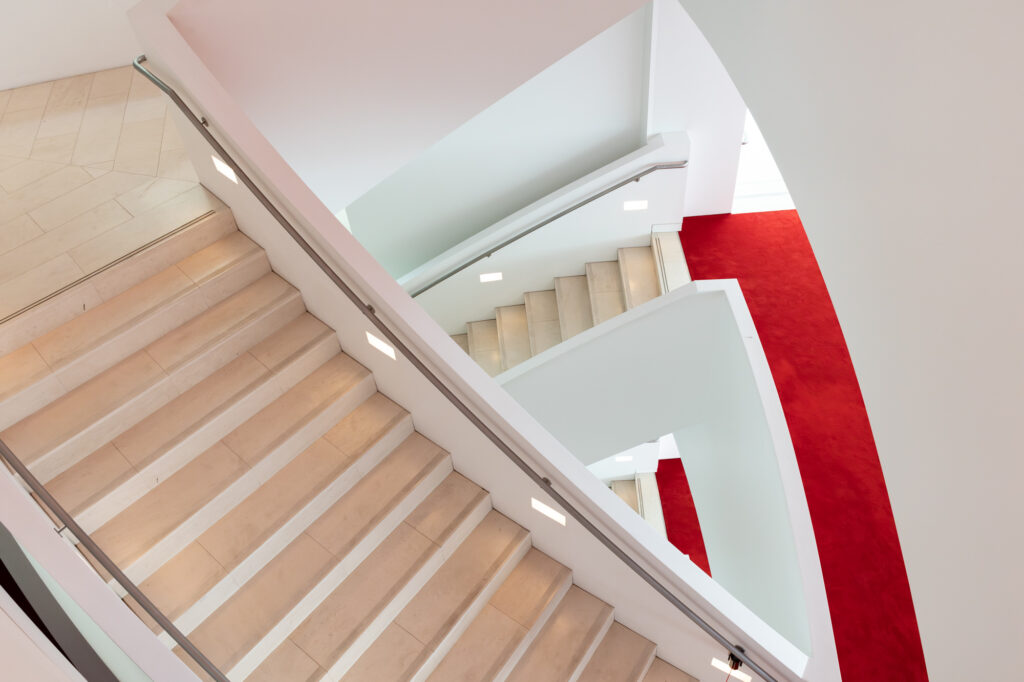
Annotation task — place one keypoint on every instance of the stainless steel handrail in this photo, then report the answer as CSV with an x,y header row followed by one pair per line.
x,y
201,125
107,563
561,214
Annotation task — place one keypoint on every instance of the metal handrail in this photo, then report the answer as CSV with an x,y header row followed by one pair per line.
x,y
107,563
367,310
561,214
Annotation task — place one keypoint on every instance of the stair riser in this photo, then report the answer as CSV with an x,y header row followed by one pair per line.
x,y
238,410
467,616
245,485
531,635
235,278
407,592
585,659
342,570
256,561
19,405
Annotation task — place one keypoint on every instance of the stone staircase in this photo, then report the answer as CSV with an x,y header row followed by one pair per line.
x,y
217,443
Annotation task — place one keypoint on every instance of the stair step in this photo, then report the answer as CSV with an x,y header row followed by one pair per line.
x,y
622,656
568,640
94,341
243,541
423,632
259,616
161,523
542,320
604,282
346,622
118,473
483,345
463,341
626,491
497,637
660,671
574,312
60,434
513,335
639,275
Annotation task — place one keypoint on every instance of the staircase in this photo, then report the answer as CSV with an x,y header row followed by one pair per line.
x,y
215,441
577,303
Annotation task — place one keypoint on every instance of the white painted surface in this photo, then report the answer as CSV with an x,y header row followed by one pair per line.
x,y
638,606
920,246
45,40
690,90
759,183
702,376
561,248
351,92
579,114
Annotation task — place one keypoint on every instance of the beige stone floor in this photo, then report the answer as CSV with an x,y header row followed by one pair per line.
x,y
91,168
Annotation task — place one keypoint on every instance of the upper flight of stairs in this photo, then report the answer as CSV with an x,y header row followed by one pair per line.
x,y
577,303
215,441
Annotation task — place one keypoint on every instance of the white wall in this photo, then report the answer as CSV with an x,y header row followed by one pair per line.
x,y
579,114
690,90
43,40
897,128
351,92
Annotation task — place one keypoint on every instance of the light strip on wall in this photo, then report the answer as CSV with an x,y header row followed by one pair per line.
x,y
224,169
490,277
547,511
380,345
724,667
636,205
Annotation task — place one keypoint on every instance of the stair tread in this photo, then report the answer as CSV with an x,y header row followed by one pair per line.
x,y
434,611
574,312
660,671
463,341
542,320
604,281
493,636
483,345
622,656
639,275
564,642
513,335
241,622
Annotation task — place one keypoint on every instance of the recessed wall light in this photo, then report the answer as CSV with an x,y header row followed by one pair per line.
x,y
490,277
623,458
380,345
224,169
724,667
556,516
636,205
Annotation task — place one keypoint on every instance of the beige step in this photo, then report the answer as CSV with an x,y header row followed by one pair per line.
x,y
82,348
165,520
639,275
568,640
118,473
348,620
60,434
482,337
622,656
669,261
423,632
257,618
660,671
506,627
604,282
626,490
513,335
463,341
574,312
118,278
542,320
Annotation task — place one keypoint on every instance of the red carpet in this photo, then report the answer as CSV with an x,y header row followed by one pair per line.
x,y
869,597
680,514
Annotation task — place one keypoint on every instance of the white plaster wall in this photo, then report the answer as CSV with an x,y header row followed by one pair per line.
x,y
579,114
43,40
897,129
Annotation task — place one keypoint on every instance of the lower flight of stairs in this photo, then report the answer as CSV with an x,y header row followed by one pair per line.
x,y
215,441
577,303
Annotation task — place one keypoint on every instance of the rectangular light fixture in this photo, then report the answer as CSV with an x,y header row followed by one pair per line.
x,y
623,458
380,345
547,511
490,277
724,667
224,169
636,205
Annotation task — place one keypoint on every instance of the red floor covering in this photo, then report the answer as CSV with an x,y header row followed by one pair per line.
x,y
680,514
869,596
